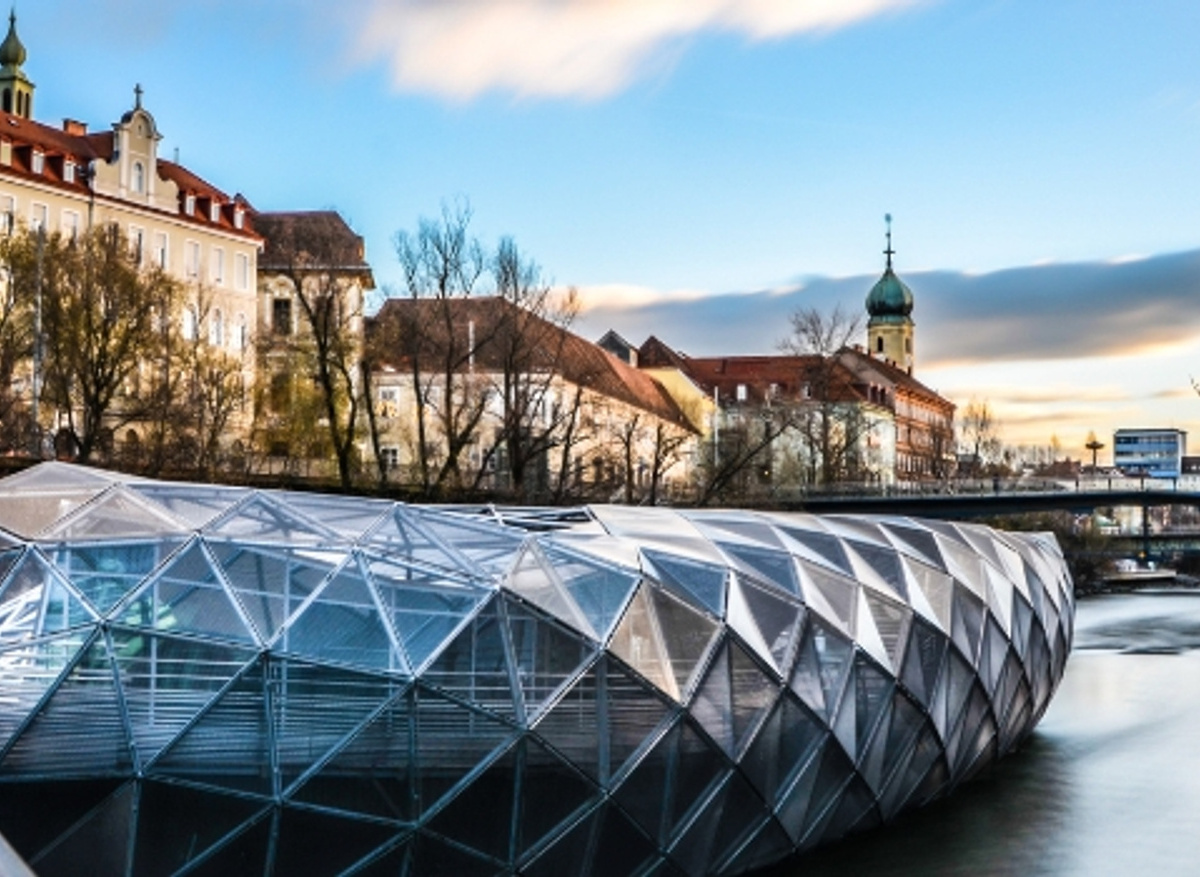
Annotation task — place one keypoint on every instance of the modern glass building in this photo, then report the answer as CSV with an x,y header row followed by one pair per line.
x,y
209,680
1153,453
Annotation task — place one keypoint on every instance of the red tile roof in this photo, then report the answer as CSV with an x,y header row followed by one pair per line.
x,y
577,360
288,234
56,144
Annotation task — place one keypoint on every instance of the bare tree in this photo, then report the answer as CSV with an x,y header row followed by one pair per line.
x,y
19,256
830,421
979,435
442,265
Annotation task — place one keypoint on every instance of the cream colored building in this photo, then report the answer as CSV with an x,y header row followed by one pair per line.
x,y
68,179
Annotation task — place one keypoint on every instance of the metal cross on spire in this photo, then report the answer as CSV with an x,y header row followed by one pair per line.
x,y
137,96
889,252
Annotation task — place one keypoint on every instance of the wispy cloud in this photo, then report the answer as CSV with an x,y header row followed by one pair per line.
x,y
570,48
1041,312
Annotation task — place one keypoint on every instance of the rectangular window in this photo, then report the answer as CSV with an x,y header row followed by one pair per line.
x,y
68,171
38,163
161,253
39,217
137,243
239,218
390,457
8,213
218,266
189,204
70,225
281,316
191,259
741,392
389,401
214,212
241,271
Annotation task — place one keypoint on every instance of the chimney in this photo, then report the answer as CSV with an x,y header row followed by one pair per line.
x,y
74,127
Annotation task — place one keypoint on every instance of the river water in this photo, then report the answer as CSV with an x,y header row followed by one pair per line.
x,y
1109,784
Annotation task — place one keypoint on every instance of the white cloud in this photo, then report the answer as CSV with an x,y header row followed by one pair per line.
x,y
569,48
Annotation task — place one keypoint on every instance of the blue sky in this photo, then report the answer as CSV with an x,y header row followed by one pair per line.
x,y
652,152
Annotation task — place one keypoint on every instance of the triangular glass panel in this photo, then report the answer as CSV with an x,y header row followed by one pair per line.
x,y
600,591
27,671
229,744
101,839
56,475
771,565
475,664
860,529
187,596
816,786
372,774
348,516
27,514
79,730
8,557
786,741
938,590
272,582
982,541
302,843
452,741
104,573
551,791
885,562
923,660
777,621
316,707
176,825
824,660
571,725
967,628
430,855
635,714
265,517
699,769
489,546
999,598
964,564
701,583
838,595
733,698
116,514
194,504
35,601
343,624
906,721
855,811
620,848
748,527
867,634
245,852
695,849
531,580
769,845
638,642
892,620
817,546
401,537
424,607
166,681
872,694
547,656
686,635
845,718
644,792
915,541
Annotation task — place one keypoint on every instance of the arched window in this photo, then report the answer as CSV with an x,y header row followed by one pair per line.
x,y
216,329
139,177
189,323
879,344
6,100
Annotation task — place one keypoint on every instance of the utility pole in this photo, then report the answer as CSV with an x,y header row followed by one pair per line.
x,y
37,344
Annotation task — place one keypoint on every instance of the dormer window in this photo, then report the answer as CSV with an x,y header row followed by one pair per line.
x,y
239,218
189,204
68,171
38,163
214,212
139,177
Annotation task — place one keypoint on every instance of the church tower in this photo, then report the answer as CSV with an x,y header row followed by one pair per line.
x,y
16,91
889,304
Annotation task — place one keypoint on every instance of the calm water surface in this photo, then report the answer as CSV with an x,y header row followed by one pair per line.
x,y
1108,785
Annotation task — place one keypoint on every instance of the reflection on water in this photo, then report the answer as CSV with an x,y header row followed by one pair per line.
x,y
1108,784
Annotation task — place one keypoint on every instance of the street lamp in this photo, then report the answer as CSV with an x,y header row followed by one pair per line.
x,y
1093,445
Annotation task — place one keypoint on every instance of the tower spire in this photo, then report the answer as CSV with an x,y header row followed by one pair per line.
x,y
889,252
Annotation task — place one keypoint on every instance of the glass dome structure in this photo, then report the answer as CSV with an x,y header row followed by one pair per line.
x,y
213,680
